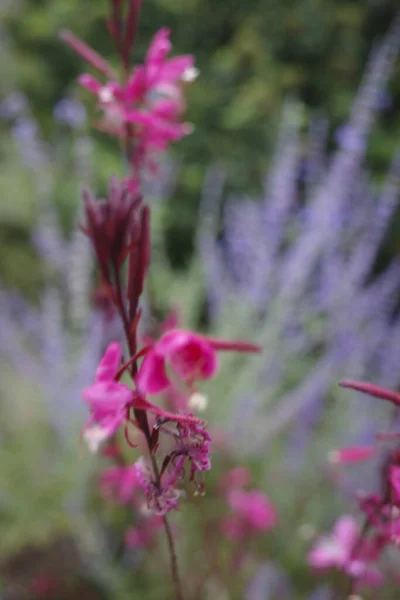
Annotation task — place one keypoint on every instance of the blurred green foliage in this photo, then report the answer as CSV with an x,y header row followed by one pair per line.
x,y
250,54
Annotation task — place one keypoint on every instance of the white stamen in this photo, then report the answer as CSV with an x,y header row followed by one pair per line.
x,y
94,436
198,402
106,95
190,74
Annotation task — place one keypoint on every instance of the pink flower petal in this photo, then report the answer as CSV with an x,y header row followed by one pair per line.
x,y
174,68
90,83
110,363
394,476
151,378
107,397
353,454
346,531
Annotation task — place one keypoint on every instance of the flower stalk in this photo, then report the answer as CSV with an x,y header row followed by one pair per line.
x,y
142,108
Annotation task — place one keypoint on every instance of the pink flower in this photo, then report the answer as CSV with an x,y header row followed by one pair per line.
x,y
107,399
110,400
252,512
120,483
151,100
335,550
254,508
189,355
338,550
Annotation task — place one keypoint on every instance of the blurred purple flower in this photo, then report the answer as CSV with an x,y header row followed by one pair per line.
x,y
70,112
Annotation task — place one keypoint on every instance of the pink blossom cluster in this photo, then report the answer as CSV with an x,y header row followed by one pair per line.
x,y
354,550
143,107
347,550
250,511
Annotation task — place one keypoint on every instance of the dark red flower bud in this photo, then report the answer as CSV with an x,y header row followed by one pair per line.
x,y
110,224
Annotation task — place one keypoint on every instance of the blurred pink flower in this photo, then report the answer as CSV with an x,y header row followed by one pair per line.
x,y
237,477
344,550
189,355
151,100
335,550
107,399
252,512
120,483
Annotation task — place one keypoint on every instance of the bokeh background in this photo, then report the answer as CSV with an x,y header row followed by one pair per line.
x,y
275,220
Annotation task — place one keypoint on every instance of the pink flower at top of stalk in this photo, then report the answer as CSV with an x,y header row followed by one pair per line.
x,y
151,100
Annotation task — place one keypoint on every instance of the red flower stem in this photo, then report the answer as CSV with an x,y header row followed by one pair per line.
x,y
174,561
142,420
140,415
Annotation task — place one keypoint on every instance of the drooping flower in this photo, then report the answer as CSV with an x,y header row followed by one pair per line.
x,y
161,497
193,441
190,356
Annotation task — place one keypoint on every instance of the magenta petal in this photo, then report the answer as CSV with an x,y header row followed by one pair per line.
x,y
159,48
210,362
110,363
346,531
326,553
352,454
90,83
151,378
394,477
174,68
107,397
